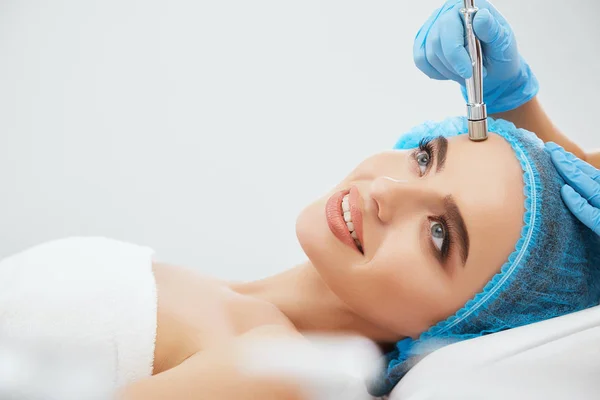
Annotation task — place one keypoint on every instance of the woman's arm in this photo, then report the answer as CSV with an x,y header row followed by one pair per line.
x,y
215,374
204,377
531,116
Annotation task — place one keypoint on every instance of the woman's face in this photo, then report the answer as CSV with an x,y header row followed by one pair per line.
x,y
433,225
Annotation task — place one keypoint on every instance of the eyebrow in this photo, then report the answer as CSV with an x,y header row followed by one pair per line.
x,y
440,145
457,221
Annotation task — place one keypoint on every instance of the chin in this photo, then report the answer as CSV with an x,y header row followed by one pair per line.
x,y
308,225
316,239
324,251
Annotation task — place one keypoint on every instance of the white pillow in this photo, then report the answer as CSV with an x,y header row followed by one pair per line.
x,y
553,359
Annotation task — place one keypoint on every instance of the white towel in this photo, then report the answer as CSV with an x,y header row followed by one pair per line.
x,y
94,294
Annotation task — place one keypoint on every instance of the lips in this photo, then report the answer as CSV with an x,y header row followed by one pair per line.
x,y
335,218
356,212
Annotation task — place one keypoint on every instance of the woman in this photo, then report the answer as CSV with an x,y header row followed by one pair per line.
x,y
388,279
441,240
442,253
417,247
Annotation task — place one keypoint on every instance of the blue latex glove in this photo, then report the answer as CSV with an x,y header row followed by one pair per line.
x,y
582,194
440,52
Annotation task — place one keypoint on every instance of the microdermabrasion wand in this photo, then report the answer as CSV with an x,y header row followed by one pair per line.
x,y
476,109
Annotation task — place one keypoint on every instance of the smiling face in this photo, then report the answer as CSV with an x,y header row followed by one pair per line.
x,y
431,227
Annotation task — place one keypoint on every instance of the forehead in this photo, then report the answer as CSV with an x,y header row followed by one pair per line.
x,y
488,189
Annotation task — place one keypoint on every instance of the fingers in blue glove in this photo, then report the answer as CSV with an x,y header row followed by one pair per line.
x,y
486,27
551,146
419,46
435,55
495,38
586,168
452,42
439,37
423,64
581,182
587,214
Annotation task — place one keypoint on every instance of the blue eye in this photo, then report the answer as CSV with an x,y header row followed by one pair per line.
x,y
424,156
438,234
423,160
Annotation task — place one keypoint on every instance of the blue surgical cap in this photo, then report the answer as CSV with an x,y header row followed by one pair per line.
x,y
554,269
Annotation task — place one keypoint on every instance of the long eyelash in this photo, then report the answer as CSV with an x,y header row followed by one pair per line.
x,y
425,146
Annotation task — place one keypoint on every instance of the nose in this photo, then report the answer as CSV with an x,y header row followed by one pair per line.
x,y
395,196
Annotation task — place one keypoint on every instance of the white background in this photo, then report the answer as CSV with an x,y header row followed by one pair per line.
x,y
202,128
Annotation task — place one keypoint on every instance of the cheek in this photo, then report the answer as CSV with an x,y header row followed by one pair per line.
x,y
401,288
422,289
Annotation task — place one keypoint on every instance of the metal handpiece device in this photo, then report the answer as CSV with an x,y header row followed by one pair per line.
x,y
476,109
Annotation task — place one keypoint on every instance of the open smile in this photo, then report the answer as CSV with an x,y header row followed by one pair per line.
x,y
344,218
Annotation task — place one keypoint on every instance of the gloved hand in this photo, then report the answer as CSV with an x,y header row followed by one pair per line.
x,y
440,52
582,194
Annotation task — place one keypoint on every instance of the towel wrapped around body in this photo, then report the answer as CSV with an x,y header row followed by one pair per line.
x,y
80,297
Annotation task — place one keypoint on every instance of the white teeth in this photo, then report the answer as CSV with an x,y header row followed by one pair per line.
x,y
348,219
347,216
345,204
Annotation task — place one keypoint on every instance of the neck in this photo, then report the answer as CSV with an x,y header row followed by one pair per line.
x,y
303,297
